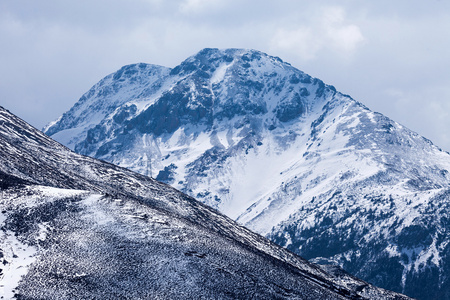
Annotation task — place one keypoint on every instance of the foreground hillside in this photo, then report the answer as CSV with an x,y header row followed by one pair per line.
x,y
73,227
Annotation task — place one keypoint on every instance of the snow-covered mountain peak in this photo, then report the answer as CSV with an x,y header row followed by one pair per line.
x,y
288,156
210,59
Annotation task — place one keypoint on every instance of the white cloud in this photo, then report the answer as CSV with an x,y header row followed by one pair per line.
x,y
301,41
329,31
342,36
199,6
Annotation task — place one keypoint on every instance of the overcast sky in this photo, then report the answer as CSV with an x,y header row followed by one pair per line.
x,y
393,56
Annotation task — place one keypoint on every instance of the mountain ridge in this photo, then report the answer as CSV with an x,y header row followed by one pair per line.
x,y
292,158
76,227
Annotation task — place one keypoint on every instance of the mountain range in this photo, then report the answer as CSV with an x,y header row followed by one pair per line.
x,y
285,155
73,227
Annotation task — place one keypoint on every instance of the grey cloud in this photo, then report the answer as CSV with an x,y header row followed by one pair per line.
x,y
53,51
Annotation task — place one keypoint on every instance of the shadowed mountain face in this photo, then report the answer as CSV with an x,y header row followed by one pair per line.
x,y
283,154
74,227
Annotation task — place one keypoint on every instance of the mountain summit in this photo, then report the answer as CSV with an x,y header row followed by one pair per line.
x,y
284,154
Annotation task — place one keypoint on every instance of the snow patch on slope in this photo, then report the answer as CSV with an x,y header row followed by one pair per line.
x,y
17,257
220,72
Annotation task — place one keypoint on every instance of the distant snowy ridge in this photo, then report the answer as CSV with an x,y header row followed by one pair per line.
x,y
288,156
